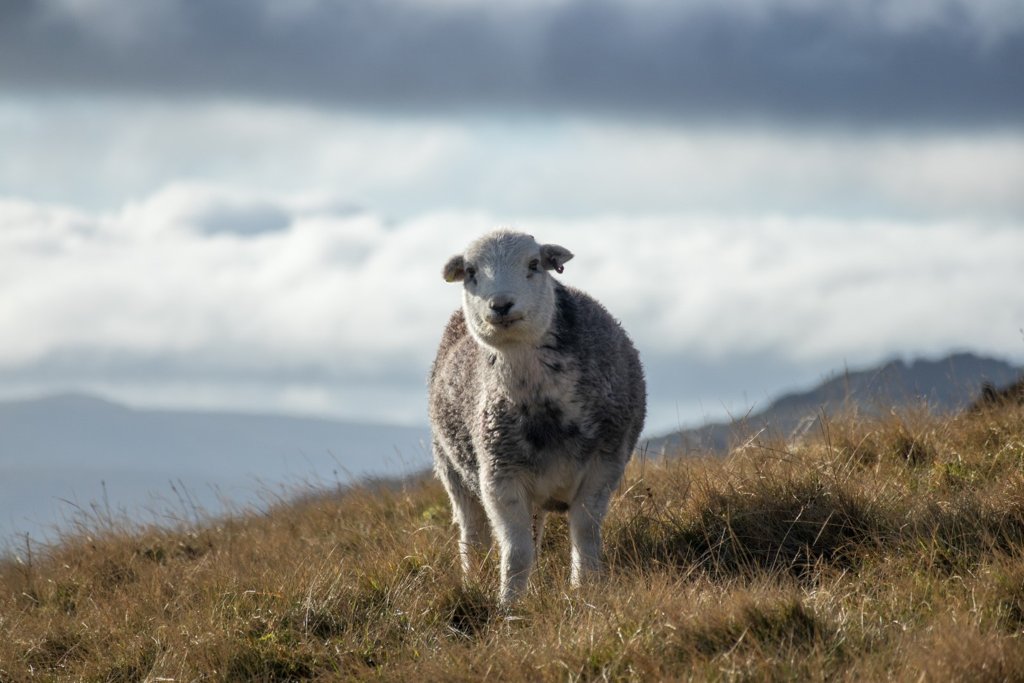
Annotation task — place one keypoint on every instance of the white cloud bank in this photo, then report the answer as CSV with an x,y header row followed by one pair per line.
x,y
102,153
172,299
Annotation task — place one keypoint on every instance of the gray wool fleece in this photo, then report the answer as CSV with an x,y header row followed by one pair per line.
x,y
599,417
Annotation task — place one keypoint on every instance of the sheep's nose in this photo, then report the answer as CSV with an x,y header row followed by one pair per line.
x,y
502,305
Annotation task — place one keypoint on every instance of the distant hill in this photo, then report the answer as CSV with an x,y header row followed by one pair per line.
x,y
82,449
945,385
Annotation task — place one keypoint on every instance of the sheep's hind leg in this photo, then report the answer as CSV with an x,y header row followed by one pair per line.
x,y
469,514
539,517
474,536
585,532
585,517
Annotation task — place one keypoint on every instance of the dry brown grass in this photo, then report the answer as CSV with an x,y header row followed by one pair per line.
x,y
873,550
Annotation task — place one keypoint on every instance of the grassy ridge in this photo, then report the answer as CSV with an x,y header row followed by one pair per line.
x,y
872,550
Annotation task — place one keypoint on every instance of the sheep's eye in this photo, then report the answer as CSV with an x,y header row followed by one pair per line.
x,y
471,272
534,265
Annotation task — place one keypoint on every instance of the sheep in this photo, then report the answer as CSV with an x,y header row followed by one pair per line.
x,y
536,401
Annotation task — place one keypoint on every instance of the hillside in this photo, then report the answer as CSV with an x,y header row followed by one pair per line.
x,y
80,448
945,385
878,548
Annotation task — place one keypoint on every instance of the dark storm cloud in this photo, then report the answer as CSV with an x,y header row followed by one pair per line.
x,y
785,61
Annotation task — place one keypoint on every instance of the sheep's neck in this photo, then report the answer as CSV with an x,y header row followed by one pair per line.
x,y
522,372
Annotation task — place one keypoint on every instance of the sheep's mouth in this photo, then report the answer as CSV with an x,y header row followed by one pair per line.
x,y
504,321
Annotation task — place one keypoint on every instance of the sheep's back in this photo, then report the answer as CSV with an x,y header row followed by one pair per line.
x,y
611,379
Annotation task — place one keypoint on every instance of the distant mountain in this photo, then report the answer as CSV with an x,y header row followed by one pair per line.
x,y
945,385
75,450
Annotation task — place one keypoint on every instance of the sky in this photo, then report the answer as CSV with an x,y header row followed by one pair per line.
x,y
246,204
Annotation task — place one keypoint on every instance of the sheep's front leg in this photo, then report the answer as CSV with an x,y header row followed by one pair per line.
x,y
512,521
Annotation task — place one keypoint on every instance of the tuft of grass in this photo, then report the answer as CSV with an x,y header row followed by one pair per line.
x,y
875,549
468,611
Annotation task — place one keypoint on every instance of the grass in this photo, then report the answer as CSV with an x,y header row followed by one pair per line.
x,y
872,550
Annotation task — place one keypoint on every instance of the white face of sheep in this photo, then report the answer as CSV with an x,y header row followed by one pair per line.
x,y
508,297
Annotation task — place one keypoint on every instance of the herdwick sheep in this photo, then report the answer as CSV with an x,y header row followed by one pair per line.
x,y
537,399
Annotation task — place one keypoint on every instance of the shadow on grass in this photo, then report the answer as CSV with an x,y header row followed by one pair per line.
x,y
467,611
259,663
787,525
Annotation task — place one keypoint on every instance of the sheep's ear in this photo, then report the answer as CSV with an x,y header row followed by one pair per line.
x,y
553,257
455,269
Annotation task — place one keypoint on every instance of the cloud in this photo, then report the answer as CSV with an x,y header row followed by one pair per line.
x,y
244,220
340,311
941,62
209,210
102,154
244,203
